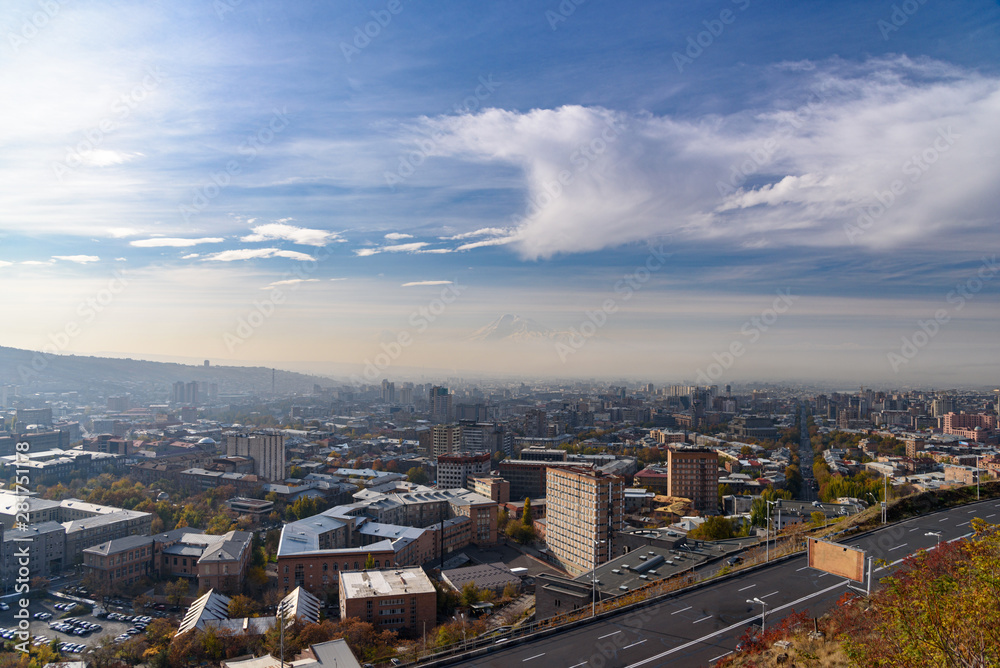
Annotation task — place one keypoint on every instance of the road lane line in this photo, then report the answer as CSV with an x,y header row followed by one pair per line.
x,y
823,575
634,644
962,524
991,515
533,657
944,519
719,657
609,635
898,547
737,625
677,612
578,665
752,586
698,621
771,594
797,570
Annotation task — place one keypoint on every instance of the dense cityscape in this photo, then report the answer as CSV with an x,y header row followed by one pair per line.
x,y
434,516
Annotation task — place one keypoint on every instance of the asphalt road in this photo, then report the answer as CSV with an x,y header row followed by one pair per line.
x,y
699,627
808,493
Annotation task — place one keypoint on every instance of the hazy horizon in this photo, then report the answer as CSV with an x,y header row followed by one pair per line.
x,y
721,191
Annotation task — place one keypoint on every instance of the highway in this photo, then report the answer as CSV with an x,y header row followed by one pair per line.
x,y
808,492
700,627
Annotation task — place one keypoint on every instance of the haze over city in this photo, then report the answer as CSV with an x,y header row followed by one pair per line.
x,y
716,191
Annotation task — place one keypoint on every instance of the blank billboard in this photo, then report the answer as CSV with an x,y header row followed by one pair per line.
x,y
836,559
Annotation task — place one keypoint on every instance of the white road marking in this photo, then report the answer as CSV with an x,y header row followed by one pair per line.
x,y
944,519
698,621
737,625
771,594
533,657
609,635
752,586
719,657
962,524
578,665
796,570
677,612
634,644
898,546
991,515
823,575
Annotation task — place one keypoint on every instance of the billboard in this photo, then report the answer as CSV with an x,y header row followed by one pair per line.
x,y
836,559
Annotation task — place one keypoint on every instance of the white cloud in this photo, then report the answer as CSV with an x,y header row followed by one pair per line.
x,y
414,247
256,253
290,281
495,231
4,263
298,235
37,263
121,259
120,232
797,170
396,236
79,259
174,242
416,283
191,256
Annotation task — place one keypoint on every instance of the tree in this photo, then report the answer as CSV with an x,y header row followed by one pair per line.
x,y
510,591
369,562
243,606
296,472
502,519
713,528
818,518
418,476
470,594
526,517
176,591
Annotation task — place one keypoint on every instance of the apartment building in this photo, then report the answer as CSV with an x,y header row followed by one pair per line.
x,y
694,474
397,600
585,508
455,470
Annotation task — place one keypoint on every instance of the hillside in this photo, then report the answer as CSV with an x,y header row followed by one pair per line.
x,y
41,372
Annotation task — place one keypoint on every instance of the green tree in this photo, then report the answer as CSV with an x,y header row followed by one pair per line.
x,y
526,518
713,528
176,591
369,562
418,476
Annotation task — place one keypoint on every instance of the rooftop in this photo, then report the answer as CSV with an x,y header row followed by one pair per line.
x,y
365,584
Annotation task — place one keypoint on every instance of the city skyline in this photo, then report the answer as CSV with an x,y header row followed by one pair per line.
x,y
716,193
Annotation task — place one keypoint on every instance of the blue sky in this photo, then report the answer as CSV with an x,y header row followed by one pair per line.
x,y
534,155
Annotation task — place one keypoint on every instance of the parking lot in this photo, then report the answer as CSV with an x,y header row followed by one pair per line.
x,y
72,623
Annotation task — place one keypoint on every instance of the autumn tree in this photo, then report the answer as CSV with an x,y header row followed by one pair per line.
x,y
242,606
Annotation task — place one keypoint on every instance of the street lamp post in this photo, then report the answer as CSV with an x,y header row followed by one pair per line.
x,y
936,534
763,611
593,578
767,531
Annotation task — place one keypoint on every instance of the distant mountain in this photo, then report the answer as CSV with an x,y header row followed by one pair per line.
x,y
43,372
509,327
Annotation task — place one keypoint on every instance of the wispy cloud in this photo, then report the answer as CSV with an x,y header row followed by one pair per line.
x,y
79,259
191,256
299,235
413,247
481,232
396,236
290,281
174,242
256,253
412,284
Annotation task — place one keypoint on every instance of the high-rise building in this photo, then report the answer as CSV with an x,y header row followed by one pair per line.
x,y
536,423
388,392
440,404
266,450
694,474
455,470
446,439
584,509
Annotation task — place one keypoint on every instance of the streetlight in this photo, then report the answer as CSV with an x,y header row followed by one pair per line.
x,y
937,534
462,615
593,577
763,611
767,531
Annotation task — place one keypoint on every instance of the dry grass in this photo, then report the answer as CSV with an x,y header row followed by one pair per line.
x,y
803,652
